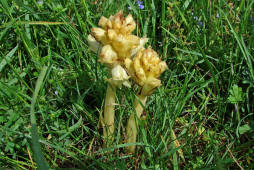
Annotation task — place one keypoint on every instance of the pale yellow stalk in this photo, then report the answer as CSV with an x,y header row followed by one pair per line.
x,y
132,127
145,69
109,114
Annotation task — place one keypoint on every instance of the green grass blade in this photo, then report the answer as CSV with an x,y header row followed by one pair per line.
x,y
8,58
39,158
242,47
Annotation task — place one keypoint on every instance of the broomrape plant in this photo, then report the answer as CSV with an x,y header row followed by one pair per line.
x,y
115,43
145,68
125,56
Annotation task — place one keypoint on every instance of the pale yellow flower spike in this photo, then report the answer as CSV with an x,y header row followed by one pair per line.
x,y
144,69
116,45
116,32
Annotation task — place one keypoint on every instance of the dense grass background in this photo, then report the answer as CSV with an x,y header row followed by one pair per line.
x,y
206,97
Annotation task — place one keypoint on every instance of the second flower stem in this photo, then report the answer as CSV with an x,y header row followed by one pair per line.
x,y
109,114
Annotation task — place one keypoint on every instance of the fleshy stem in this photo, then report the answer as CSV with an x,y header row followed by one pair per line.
x,y
132,127
109,114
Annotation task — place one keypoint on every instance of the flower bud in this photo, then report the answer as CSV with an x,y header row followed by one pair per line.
x,y
128,25
103,22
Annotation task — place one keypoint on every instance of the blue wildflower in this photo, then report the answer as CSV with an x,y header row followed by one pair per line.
x,y
251,19
200,23
140,5
217,15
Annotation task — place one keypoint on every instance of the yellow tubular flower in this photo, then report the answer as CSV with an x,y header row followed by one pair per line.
x,y
145,70
108,56
119,77
100,35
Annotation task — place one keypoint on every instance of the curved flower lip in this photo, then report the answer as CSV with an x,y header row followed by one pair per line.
x,y
93,45
119,77
100,35
149,86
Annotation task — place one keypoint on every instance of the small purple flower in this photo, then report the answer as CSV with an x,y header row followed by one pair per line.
x,y
140,5
200,23
217,15
251,19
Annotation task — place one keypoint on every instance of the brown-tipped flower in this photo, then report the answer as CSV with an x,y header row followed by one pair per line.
x,y
100,35
118,23
116,32
145,69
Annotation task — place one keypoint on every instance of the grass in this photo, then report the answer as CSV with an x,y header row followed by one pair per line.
x,y
206,98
